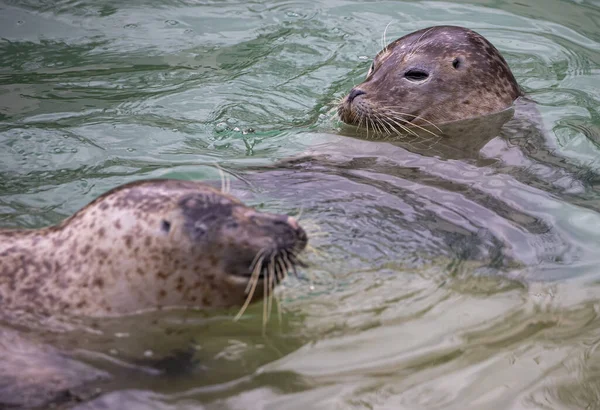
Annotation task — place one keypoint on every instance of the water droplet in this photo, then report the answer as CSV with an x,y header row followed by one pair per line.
x,y
130,149
114,352
364,58
311,287
237,129
73,150
188,31
57,150
171,22
220,127
231,121
121,334
291,14
148,353
20,22
132,25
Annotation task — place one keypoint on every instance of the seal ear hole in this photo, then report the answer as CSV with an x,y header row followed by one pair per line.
x,y
457,62
165,226
416,75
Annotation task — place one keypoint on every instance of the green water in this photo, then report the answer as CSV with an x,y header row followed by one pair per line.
x,y
436,282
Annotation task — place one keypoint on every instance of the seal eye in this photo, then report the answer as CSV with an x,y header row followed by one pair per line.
x,y
165,226
416,75
457,63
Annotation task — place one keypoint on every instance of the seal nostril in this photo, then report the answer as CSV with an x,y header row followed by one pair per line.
x,y
355,93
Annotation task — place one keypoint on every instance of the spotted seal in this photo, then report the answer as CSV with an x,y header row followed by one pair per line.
x,y
141,246
145,245
432,76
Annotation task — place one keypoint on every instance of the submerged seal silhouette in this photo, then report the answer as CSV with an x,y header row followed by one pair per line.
x,y
146,245
432,76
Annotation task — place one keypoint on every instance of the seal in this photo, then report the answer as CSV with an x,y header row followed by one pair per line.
x,y
433,76
147,245
35,375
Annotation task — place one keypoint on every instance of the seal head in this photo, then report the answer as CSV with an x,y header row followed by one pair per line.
x,y
432,76
147,245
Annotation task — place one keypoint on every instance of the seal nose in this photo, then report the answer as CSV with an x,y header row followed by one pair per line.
x,y
292,222
355,92
299,231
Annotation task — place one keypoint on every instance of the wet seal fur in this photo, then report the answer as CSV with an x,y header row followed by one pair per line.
x,y
144,245
433,76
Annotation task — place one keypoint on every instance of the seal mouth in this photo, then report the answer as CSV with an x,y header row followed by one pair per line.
x,y
362,114
275,262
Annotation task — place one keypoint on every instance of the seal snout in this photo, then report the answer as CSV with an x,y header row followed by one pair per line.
x,y
285,229
351,109
355,92
302,237
269,241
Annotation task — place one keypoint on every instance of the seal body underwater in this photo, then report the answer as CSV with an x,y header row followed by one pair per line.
x,y
433,76
144,245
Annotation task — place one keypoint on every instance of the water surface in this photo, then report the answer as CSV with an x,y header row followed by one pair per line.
x,y
440,279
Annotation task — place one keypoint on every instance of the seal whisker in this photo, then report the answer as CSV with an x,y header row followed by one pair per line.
x,y
374,126
254,280
416,43
252,266
265,295
289,265
269,292
383,41
433,134
407,127
403,127
278,306
415,117
280,272
386,132
384,45
300,213
255,275
222,176
283,268
383,126
388,123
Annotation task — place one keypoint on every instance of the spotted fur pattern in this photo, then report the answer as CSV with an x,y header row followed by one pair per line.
x,y
144,245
